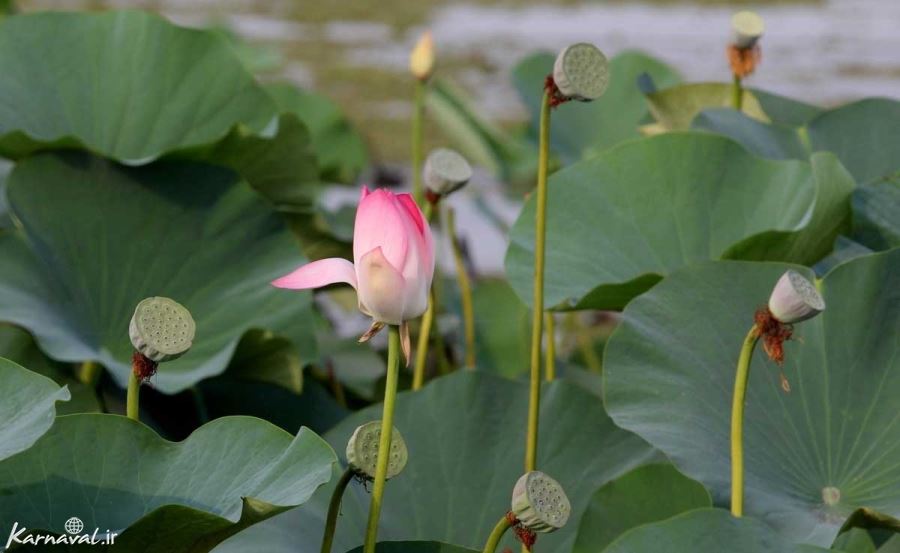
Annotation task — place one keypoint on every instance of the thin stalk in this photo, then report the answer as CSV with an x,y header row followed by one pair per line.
x,y
550,361
737,422
417,139
465,291
496,535
88,373
427,322
134,391
737,93
384,445
534,399
334,508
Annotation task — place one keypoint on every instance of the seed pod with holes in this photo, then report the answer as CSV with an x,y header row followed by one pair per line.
x,y
795,299
445,171
581,72
362,451
161,329
540,503
746,28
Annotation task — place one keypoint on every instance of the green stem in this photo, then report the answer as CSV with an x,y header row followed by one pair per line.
x,y
334,508
384,445
550,361
538,303
496,535
737,94
737,422
88,373
465,291
417,139
134,391
427,322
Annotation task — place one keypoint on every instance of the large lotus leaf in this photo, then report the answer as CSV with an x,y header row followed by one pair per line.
x,y
19,347
95,238
28,407
125,84
866,531
647,494
502,329
466,439
669,374
619,221
785,111
706,530
864,135
578,129
115,473
341,150
876,215
674,108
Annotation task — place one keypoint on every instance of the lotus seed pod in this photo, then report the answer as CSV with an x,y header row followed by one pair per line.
x,y
746,29
581,72
795,299
161,329
362,451
421,59
446,171
540,503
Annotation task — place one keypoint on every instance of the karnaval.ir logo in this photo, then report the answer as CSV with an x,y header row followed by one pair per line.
x,y
74,535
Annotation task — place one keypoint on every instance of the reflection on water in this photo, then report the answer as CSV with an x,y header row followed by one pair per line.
x,y
356,51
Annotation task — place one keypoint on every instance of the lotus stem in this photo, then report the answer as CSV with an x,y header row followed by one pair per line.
x,y
334,508
534,397
384,445
427,321
737,93
134,391
88,373
550,362
493,540
417,140
737,422
465,291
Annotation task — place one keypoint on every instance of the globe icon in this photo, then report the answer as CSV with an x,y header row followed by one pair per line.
x,y
74,525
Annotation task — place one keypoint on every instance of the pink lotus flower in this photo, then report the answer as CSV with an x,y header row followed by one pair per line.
x,y
393,262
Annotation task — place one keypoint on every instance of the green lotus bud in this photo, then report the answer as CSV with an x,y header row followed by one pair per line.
x,y
795,299
581,72
540,503
161,329
746,29
446,171
362,451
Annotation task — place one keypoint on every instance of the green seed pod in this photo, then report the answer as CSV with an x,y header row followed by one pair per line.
x,y
446,171
581,72
362,451
795,299
746,28
161,329
540,503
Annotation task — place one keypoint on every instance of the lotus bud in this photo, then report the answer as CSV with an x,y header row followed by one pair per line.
x,y
795,299
362,451
746,27
540,503
421,59
445,172
161,329
581,72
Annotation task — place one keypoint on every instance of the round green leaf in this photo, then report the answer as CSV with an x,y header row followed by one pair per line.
x,y
674,108
95,238
115,473
785,111
125,84
669,376
647,494
706,530
619,221
28,407
876,215
466,438
579,129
